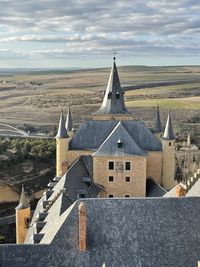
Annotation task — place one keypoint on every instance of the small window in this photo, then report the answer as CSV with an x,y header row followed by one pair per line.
x,y
127,179
117,95
119,143
111,178
81,195
109,95
127,196
111,165
127,166
170,143
111,196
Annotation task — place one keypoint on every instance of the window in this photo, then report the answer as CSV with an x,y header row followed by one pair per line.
x,y
127,179
110,196
109,95
111,178
81,195
111,165
170,144
127,166
117,95
127,196
119,143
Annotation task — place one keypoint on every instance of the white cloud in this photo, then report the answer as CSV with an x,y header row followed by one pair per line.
x,y
49,28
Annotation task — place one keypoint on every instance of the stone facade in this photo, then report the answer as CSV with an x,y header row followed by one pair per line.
x,y
120,182
168,181
22,220
61,154
154,166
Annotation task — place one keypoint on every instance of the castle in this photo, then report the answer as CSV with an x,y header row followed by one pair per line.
x,y
105,207
124,153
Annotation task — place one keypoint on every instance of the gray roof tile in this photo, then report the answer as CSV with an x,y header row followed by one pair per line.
x,y
23,202
169,134
92,134
157,123
113,102
127,145
144,232
69,122
62,132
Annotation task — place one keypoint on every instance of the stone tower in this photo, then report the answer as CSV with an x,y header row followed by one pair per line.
x,y
62,142
168,140
23,215
158,124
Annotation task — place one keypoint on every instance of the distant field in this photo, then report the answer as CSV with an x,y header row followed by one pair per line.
x,y
36,98
175,103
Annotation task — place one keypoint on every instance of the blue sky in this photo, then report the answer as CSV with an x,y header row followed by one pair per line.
x,y
83,33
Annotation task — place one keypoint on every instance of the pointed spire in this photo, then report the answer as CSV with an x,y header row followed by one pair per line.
x,y
62,132
169,134
113,102
69,123
23,202
157,123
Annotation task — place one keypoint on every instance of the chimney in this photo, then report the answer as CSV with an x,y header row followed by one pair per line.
x,y
82,226
180,190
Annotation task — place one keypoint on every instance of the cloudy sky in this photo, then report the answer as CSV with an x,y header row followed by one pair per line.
x,y
83,33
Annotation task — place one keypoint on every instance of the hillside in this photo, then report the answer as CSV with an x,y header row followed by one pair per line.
x,y
35,98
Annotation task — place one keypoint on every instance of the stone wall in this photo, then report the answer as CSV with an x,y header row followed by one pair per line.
x,y
119,187
154,166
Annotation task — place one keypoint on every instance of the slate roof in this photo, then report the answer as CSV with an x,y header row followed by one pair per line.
x,y
62,132
69,122
169,133
151,232
157,123
153,189
119,143
113,102
194,191
92,134
23,202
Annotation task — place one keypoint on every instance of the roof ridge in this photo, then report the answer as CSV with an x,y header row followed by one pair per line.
x,y
120,124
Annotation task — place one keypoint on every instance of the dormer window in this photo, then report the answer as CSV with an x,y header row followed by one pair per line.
x,y
109,95
119,143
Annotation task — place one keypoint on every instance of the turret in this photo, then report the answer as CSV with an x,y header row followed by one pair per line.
x,y
113,105
158,124
168,140
62,143
23,216
69,123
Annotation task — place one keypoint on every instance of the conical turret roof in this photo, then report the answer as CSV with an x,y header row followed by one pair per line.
x,y
62,132
113,102
157,123
69,122
23,202
169,133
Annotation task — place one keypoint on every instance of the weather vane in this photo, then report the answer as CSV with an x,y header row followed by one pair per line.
x,y
114,53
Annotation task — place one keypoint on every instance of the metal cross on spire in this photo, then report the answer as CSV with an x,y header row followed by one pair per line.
x,y
114,53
